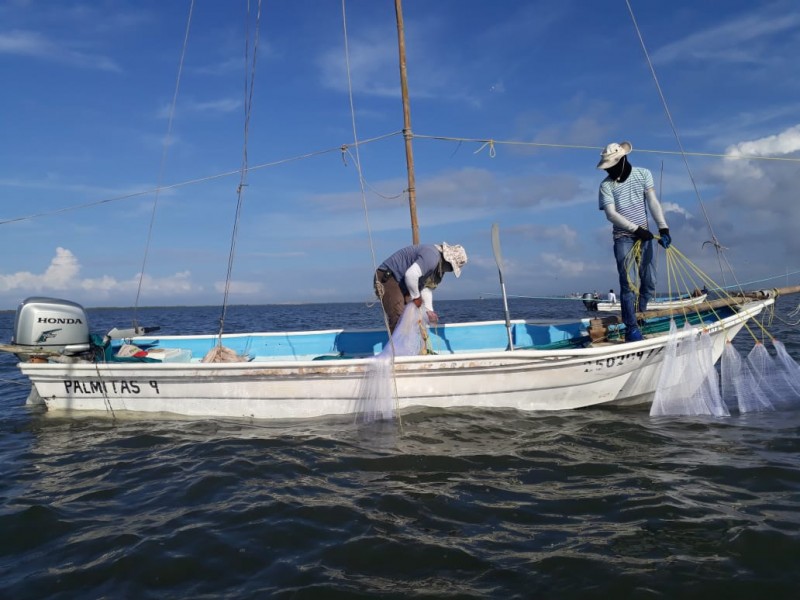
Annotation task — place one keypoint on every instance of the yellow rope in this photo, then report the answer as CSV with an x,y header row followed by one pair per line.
x,y
686,275
686,278
632,261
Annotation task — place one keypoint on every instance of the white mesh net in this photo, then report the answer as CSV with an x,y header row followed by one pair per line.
x,y
767,376
377,393
790,370
761,382
688,383
740,388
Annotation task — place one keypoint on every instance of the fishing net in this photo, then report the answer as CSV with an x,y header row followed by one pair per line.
x,y
790,370
762,382
764,376
777,383
377,393
688,383
410,336
222,354
740,387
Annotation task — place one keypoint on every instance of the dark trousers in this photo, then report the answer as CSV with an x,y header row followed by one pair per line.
x,y
646,274
392,298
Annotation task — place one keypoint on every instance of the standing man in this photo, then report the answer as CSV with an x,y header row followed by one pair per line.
x,y
626,194
412,273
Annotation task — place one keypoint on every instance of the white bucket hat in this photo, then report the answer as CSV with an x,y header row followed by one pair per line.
x,y
613,153
455,255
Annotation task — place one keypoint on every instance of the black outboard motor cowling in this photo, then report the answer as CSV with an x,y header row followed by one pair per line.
x,y
52,324
590,301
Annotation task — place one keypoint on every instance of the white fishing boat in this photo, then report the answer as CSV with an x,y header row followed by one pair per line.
x,y
515,364
306,374
654,304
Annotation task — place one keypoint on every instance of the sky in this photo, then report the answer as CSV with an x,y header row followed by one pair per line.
x,y
126,123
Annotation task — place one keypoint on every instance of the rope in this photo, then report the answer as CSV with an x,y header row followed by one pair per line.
x,y
248,105
683,271
632,261
714,241
167,140
492,150
492,143
189,182
362,184
344,147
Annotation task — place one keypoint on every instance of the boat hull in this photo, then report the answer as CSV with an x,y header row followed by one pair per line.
x,y
530,380
654,304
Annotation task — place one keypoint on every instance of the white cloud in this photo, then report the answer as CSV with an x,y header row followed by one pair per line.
x,y
736,168
35,45
731,42
676,209
240,287
563,266
59,274
562,234
220,106
178,283
63,270
785,142
372,62
63,275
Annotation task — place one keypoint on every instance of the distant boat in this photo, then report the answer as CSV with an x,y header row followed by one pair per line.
x,y
593,304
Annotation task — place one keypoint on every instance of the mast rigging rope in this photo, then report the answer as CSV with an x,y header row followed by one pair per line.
x,y
167,141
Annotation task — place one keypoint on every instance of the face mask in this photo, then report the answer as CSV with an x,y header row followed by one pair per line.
x,y
620,171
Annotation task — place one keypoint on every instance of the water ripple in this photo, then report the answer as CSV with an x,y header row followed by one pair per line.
x,y
448,504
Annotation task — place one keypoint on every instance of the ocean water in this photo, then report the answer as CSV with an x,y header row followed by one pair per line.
x,y
451,504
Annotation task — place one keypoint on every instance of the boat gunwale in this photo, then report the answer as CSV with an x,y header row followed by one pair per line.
x,y
355,330
746,312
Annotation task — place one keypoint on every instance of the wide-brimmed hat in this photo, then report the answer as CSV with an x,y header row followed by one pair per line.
x,y
613,153
455,255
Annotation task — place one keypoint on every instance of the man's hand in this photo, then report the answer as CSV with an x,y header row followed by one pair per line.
x,y
433,318
417,301
643,234
666,239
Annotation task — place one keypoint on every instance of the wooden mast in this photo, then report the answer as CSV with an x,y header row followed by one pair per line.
x,y
412,192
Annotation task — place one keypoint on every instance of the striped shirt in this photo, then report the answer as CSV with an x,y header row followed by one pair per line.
x,y
628,198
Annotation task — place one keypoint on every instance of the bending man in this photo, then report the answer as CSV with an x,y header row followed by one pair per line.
x,y
412,273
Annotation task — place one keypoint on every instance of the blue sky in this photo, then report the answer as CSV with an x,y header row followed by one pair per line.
x,y
88,90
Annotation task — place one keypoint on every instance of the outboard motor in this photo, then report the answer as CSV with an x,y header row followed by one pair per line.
x,y
589,301
52,324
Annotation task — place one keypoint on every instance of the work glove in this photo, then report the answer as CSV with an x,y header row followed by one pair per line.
x,y
643,234
666,239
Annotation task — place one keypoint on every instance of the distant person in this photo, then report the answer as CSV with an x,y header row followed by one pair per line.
x,y
626,194
412,273
612,297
